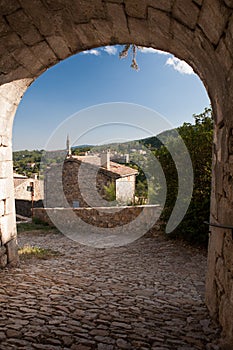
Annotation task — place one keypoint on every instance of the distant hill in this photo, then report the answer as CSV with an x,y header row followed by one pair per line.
x,y
155,142
82,146
27,162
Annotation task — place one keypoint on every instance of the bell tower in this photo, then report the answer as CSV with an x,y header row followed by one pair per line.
x,y
68,148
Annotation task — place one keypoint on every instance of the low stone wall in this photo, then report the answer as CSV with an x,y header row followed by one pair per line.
x,y
9,253
101,217
24,207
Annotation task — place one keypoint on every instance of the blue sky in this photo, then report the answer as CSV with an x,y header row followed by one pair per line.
x,y
163,84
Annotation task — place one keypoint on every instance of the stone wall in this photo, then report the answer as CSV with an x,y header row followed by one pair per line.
x,y
219,286
21,192
100,217
10,95
125,189
88,189
24,207
35,35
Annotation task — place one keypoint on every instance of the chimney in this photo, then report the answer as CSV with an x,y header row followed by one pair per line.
x,y
105,160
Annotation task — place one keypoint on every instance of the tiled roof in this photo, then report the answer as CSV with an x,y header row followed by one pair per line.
x,y
120,170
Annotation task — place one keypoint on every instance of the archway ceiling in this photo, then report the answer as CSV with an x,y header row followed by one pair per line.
x,y
36,34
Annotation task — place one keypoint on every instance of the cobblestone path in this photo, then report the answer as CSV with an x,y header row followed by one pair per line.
x,y
148,295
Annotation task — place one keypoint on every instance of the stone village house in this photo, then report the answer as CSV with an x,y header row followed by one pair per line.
x,y
199,32
99,172
25,190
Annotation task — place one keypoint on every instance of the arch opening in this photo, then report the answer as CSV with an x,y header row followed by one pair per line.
x,y
36,44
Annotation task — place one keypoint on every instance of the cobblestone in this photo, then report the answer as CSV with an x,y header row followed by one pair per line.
x,y
147,295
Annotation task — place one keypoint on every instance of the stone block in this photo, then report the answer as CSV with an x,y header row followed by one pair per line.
x,y
88,36
10,42
227,251
7,7
140,30
198,2
12,252
211,295
5,141
7,63
103,28
2,207
229,3
7,228
4,27
213,203
18,73
23,26
164,5
223,51
5,153
55,4
218,179
6,169
6,188
231,291
9,206
3,261
66,26
13,91
220,272
136,9
182,35
85,11
229,36
225,211
117,16
2,250
25,57
42,16
225,317
213,18
216,240
159,26
59,46
186,12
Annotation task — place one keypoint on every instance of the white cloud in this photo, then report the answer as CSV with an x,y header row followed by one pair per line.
x,y
151,50
92,52
181,66
111,50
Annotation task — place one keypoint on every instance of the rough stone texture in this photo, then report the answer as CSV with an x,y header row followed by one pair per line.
x,y
84,182
12,252
24,207
10,95
34,35
21,192
148,295
94,216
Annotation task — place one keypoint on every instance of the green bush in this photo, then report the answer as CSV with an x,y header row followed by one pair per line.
x,y
198,139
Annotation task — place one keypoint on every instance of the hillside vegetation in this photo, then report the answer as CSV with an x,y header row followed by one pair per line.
x,y
198,138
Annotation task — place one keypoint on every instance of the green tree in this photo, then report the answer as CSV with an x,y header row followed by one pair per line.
x,y
110,192
198,139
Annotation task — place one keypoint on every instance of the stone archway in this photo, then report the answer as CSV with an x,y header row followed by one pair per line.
x,y
34,35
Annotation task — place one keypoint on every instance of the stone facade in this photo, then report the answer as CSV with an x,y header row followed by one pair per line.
x,y
99,218
21,190
24,208
23,197
34,35
83,193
